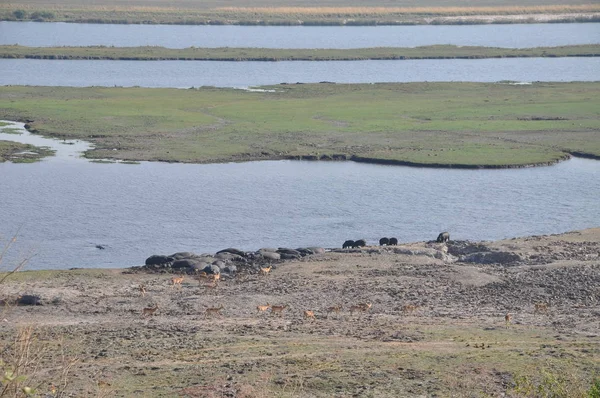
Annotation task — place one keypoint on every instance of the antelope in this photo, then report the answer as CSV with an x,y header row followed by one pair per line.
x,y
202,274
212,285
309,314
335,308
360,307
263,308
507,319
149,310
541,307
216,277
142,290
278,308
265,271
408,308
213,310
177,281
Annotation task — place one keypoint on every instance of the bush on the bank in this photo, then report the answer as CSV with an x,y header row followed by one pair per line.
x,y
42,15
20,14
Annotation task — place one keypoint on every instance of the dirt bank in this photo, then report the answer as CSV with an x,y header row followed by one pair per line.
x,y
436,326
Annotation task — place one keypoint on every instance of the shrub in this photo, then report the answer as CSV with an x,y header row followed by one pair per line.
x,y
20,14
42,15
595,389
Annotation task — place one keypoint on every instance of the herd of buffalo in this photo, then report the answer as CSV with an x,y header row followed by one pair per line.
x,y
442,237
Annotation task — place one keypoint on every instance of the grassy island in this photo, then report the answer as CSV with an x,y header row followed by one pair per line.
x,y
300,12
150,53
430,124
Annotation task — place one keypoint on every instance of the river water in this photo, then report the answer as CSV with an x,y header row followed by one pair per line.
x,y
63,207
185,74
36,34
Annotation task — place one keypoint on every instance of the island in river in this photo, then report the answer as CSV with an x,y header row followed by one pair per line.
x,y
469,125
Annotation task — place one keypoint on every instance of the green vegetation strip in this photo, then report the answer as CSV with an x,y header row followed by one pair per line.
x,y
267,54
22,153
431,124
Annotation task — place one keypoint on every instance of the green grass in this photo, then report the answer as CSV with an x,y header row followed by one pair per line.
x,y
266,54
295,12
13,151
11,131
443,124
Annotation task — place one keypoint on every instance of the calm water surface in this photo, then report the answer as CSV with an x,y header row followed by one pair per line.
x,y
65,206
184,74
177,36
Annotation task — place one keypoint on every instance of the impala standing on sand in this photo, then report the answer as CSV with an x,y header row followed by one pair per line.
x,y
149,310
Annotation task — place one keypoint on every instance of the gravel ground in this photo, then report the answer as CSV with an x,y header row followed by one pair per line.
x,y
431,304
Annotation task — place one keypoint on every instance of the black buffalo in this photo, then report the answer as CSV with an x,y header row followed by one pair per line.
x,y
443,237
393,242
384,241
360,243
347,244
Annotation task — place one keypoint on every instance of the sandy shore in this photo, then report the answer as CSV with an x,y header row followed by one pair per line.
x,y
436,326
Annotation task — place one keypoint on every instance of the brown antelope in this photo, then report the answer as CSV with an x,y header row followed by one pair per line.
x,y
149,310
309,314
408,308
265,271
142,290
278,308
216,277
263,308
177,281
541,307
360,307
335,308
213,310
212,285
507,319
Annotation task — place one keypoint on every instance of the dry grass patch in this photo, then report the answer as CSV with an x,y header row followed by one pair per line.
x,y
337,11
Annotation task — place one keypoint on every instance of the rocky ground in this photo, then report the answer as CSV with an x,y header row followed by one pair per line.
x,y
436,326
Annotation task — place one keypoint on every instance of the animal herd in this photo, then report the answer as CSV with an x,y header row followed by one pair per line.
x,y
274,309
310,314
355,244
